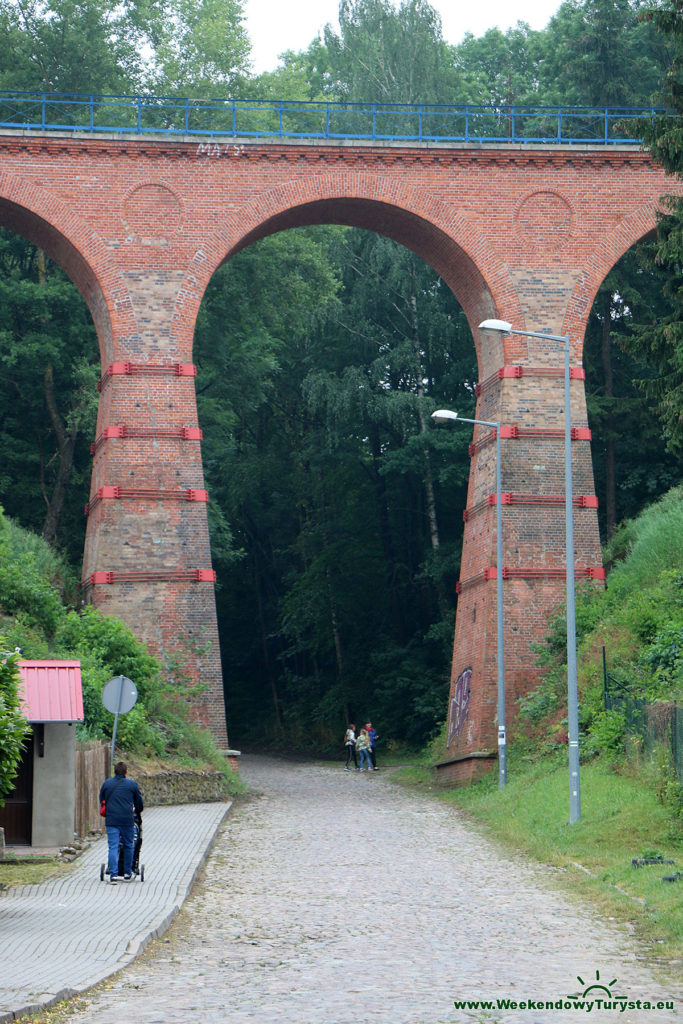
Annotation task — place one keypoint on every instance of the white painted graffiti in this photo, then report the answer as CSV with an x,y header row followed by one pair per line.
x,y
459,709
216,149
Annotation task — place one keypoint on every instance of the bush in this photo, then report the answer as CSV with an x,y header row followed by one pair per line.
x,y
606,735
13,726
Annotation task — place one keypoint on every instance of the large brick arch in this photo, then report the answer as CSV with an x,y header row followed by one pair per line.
x,y
450,242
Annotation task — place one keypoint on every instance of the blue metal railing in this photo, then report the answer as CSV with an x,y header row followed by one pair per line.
x,y
285,119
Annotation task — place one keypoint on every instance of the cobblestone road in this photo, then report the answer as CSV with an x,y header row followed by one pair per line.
x,y
337,898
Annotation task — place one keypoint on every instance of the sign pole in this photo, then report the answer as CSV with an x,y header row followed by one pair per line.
x,y
116,720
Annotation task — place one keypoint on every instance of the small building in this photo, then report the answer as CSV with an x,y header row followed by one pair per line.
x,y
40,810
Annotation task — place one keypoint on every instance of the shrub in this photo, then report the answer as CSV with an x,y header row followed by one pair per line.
x,y
13,726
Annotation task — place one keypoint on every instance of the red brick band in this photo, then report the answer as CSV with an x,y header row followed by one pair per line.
x,y
512,372
146,370
529,433
539,500
121,430
146,494
491,573
152,576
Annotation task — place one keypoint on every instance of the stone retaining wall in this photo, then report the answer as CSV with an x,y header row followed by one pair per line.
x,y
180,787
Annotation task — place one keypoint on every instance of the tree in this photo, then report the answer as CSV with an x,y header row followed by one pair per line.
x,y
501,68
48,401
662,342
630,464
388,54
201,48
73,47
599,53
14,728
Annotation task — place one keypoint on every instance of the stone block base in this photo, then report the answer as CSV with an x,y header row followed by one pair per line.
x,y
462,771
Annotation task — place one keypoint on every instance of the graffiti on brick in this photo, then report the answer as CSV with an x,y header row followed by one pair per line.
x,y
460,705
216,149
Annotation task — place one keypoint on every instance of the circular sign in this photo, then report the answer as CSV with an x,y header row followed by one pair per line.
x,y
119,695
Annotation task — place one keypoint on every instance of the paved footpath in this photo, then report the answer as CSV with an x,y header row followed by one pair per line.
x,y
61,937
334,898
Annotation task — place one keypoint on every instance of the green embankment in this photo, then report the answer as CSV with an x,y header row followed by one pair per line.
x,y
631,799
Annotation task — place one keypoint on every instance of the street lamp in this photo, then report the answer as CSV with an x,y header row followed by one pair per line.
x,y
445,416
503,327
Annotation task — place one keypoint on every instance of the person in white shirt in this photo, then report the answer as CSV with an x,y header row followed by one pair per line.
x,y
350,744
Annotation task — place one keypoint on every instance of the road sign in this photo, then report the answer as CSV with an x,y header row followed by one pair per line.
x,y
119,695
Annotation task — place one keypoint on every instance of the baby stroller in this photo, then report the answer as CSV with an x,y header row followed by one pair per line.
x,y
138,870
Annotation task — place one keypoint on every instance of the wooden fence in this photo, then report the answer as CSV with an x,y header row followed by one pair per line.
x,y
92,768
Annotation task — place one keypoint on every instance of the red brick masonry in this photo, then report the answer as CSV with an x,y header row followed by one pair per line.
x,y
524,233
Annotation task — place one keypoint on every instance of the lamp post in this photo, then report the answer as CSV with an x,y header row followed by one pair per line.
x,y
446,416
503,327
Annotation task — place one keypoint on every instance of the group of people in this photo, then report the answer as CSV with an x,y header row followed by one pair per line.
x,y
364,746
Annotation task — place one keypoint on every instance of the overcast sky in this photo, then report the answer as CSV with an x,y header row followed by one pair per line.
x,y
277,25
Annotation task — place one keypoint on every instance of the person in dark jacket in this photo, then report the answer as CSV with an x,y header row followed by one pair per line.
x,y
373,737
122,799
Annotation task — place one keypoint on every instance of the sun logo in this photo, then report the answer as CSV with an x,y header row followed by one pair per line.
x,y
597,986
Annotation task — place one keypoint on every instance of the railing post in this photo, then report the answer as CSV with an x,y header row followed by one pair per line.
x,y
606,125
187,115
43,111
327,120
419,110
234,119
139,106
467,123
280,117
374,121
92,112
512,123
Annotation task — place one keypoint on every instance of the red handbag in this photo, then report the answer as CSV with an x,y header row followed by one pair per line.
x,y
103,803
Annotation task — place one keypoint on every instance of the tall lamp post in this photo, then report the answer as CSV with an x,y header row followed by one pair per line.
x,y
446,416
502,327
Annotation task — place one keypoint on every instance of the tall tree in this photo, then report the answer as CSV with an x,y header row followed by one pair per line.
x,y
389,54
663,341
630,463
201,48
500,68
89,46
599,53
48,403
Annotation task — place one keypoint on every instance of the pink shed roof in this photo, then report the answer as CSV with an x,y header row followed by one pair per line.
x,y
51,691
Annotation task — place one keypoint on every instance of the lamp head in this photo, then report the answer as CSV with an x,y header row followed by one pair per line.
x,y
444,415
502,326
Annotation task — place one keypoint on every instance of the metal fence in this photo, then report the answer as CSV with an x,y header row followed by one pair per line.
x,y
660,723
377,122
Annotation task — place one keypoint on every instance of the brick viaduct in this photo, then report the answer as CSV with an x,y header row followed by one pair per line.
x,y
523,233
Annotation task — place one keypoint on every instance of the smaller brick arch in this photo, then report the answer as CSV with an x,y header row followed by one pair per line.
x,y
632,229
45,221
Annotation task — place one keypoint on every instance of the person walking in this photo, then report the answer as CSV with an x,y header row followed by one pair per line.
x,y
363,745
350,744
373,737
122,800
